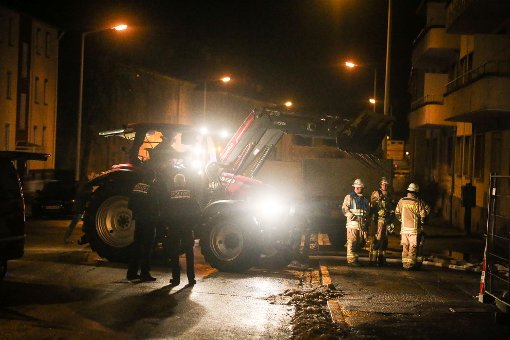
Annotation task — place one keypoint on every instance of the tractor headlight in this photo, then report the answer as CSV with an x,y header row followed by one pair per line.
x,y
272,207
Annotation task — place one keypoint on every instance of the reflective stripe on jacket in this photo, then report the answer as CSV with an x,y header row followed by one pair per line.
x,y
355,205
411,211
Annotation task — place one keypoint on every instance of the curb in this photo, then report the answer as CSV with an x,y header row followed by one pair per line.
x,y
470,267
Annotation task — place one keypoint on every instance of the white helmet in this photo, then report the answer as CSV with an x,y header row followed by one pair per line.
x,y
413,188
384,181
358,183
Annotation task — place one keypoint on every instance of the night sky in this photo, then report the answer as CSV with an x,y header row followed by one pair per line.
x,y
275,50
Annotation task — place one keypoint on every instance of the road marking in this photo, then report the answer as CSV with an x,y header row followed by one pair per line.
x,y
335,311
325,278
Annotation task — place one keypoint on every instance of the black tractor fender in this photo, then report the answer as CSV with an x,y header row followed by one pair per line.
x,y
111,176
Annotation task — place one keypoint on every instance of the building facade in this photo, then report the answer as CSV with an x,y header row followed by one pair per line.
x,y
28,86
459,83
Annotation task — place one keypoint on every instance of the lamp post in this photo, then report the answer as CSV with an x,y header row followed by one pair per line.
x,y
80,95
224,79
351,65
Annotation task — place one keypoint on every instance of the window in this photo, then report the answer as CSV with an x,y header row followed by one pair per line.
x,y
496,153
7,136
35,134
479,159
45,92
38,41
43,136
11,32
36,90
458,156
9,85
47,45
24,61
466,157
449,154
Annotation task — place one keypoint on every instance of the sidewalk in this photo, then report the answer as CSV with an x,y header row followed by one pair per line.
x,y
445,246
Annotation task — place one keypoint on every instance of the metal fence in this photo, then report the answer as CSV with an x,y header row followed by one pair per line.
x,y
497,249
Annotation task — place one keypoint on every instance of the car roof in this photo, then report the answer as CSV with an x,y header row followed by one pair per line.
x,y
22,155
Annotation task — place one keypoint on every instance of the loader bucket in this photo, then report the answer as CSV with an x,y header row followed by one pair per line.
x,y
364,133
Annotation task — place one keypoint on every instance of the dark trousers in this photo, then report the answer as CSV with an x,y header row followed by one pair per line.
x,y
141,249
181,239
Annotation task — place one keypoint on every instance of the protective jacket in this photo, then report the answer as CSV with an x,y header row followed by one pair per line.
x,y
143,202
381,205
357,209
411,212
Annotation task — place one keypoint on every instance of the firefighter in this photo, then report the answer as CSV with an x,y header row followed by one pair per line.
x,y
411,212
356,209
381,206
144,219
180,213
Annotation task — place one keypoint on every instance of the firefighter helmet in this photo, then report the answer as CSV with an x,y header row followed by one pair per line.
x,y
413,188
384,181
358,183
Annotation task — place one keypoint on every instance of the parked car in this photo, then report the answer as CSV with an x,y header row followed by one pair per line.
x,y
56,199
12,205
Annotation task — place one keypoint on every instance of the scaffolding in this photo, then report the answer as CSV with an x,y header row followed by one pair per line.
x,y
495,277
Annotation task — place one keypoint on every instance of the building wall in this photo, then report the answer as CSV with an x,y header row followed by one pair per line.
x,y
28,86
448,158
9,49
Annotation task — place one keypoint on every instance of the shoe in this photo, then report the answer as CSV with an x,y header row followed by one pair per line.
x,y
354,264
174,282
192,282
147,278
132,277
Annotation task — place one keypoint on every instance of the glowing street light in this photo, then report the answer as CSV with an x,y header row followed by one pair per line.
x,y
224,79
288,104
121,27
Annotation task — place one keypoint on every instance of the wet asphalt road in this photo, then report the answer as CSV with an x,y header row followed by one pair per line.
x,y
65,291
433,303
62,290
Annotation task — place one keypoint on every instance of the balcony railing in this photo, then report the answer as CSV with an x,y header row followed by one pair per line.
x,y
490,68
436,99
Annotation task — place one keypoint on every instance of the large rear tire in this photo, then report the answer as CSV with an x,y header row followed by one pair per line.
x,y
229,244
107,222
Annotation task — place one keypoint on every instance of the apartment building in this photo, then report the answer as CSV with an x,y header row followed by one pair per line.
x,y
459,119
28,86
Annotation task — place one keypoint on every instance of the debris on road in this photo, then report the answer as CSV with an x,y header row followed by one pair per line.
x,y
312,319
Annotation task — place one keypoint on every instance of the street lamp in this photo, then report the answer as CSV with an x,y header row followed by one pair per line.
x,y
224,79
351,65
288,104
80,94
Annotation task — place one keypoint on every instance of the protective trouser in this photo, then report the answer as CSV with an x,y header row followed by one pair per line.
x,y
409,244
181,239
379,243
354,241
141,248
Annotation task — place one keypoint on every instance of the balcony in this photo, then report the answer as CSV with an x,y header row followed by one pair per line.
x,y
428,112
480,94
476,16
435,48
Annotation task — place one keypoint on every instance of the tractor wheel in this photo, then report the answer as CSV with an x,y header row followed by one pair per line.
x,y
3,268
229,245
107,222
